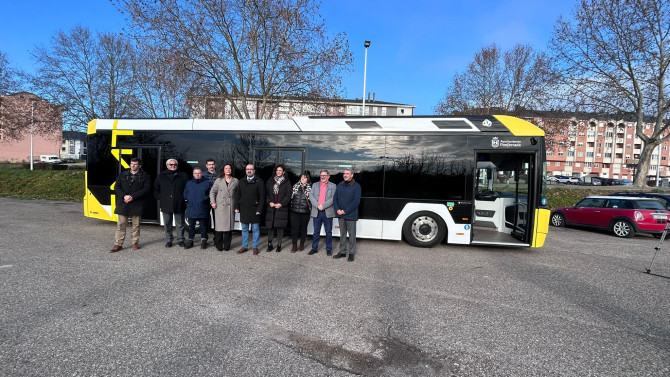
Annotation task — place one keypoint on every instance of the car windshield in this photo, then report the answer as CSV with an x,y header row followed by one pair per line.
x,y
649,204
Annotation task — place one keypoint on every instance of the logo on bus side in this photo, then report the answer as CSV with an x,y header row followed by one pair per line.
x,y
495,142
487,123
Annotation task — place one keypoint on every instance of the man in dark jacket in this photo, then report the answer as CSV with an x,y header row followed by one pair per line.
x,y
131,188
250,199
346,201
169,190
196,194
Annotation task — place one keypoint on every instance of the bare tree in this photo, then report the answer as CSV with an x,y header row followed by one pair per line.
x,y
164,82
23,112
243,48
497,82
90,76
614,58
9,77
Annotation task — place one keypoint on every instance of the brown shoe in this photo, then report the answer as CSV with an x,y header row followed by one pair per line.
x,y
116,248
255,251
294,248
136,246
242,250
302,247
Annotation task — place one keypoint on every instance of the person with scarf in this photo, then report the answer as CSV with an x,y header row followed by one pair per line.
x,y
278,197
300,211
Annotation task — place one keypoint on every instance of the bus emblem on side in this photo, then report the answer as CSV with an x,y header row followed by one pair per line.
x,y
495,142
487,123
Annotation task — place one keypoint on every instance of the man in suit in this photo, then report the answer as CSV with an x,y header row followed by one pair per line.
x,y
321,197
250,199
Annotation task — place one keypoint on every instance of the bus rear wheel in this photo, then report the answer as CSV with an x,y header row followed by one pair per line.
x,y
424,229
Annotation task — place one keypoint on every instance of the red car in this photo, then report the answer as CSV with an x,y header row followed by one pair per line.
x,y
622,215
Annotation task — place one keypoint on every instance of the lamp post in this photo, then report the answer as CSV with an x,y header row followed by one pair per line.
x,y
365,71
32,122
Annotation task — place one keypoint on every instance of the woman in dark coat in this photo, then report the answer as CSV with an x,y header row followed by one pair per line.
x,y
300,211
278,196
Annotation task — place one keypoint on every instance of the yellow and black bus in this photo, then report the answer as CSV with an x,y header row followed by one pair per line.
x,y
425,179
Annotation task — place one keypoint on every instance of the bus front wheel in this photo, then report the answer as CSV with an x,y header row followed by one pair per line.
x,y
424,229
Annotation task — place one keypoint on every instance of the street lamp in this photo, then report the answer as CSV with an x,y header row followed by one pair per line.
x,y
32,129
365,71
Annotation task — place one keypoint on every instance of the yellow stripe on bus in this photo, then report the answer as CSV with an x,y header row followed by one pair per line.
x,y
541,227
519,127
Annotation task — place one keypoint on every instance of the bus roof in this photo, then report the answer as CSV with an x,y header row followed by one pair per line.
x,y
446,124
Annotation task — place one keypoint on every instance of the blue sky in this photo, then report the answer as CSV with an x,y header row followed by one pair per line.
x,y
416,46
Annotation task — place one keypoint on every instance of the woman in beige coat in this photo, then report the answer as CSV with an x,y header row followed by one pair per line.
x,y
221,197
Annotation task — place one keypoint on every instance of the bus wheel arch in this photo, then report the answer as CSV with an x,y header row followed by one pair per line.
x,y
424,229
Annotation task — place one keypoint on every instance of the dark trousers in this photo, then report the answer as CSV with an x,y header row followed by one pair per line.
x,y
222,240
327,225
203,228
299,223
271,233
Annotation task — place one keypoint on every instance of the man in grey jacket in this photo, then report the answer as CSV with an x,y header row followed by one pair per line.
x,y
323,212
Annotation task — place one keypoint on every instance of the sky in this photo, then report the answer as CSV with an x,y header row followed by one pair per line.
x,y
416,46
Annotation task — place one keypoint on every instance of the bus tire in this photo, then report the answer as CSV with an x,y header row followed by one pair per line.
x,y
424,229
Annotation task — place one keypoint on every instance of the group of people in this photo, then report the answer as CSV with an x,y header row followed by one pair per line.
x,y
187,202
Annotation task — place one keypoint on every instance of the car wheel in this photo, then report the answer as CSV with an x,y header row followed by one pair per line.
x,y
623,228
424,229
557,219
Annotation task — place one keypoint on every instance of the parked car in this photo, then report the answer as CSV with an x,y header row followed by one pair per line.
x,y
663,198
562,179
626,182
622,215
575,181
69,161
591,181
552,179
610,182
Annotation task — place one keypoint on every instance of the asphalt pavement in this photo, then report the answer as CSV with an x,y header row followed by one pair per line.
x,y
580,306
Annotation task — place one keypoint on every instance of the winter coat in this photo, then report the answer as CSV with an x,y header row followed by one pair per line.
x,y
169,189
249,199
347,198
196,194
138,186
299,202
278,218
210,176
328,205
224,196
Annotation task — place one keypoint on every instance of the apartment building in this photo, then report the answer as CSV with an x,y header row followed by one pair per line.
x,y
579,145
216,107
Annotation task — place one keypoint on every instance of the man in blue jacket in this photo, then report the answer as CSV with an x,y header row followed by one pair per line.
x,y
346,201
196,195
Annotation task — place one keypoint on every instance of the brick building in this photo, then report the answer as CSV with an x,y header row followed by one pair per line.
x,y
20,111
580,145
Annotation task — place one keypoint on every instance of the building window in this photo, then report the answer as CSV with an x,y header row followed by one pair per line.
x,y
568,163
587,164
571,153
596,165
589,154
580,154
577,164
557,163
580,144
608,155
561,153
383,111
374,111
550,153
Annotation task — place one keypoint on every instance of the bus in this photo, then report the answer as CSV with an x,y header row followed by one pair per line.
x,y
427,180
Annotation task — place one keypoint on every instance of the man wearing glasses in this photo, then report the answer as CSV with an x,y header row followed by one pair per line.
x,y
323,212
250,200
169,190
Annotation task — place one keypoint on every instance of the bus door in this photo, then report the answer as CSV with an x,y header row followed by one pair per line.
x,y
151,163
293,159
502,190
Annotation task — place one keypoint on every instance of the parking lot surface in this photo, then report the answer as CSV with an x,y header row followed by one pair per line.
x,y
582,305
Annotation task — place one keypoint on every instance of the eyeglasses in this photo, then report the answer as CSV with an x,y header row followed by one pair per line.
x,y
172,164
324,175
